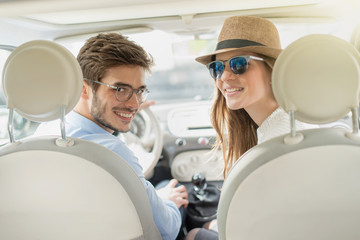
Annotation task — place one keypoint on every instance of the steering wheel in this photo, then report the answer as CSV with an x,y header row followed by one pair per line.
x,y
145,139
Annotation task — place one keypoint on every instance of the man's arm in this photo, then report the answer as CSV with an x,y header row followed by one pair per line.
x,y
166,215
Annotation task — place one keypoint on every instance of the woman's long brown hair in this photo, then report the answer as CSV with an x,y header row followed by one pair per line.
x,y
235,129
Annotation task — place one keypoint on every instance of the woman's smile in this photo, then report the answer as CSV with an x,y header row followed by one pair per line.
x,y
232,91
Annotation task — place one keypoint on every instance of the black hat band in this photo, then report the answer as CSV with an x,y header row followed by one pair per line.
x,y
236,43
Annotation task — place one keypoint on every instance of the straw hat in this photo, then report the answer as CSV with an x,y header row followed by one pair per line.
x,y
247,33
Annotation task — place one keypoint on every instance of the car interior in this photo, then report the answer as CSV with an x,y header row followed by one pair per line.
x,y
302,185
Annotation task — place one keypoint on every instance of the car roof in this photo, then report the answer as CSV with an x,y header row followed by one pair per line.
x,y
53,19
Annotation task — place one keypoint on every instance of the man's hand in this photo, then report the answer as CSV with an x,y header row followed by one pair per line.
x,y
178,194
146,104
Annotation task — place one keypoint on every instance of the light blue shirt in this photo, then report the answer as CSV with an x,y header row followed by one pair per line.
x,y
166,215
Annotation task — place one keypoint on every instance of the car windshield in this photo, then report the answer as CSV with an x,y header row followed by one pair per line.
x,y
176,75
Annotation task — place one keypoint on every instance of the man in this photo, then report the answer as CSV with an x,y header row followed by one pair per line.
x,y
114,88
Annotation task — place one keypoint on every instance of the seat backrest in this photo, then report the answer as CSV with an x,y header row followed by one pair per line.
x,y
59,187
305,184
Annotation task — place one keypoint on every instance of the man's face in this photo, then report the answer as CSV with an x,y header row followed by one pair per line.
x,y
106,110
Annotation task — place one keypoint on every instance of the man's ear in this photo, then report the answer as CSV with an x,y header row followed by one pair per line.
x,y
85,91
83,106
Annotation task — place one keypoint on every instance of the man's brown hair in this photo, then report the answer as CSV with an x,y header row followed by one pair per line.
x,y
110,50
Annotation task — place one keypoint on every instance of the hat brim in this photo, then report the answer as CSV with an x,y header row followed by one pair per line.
x,y
266,51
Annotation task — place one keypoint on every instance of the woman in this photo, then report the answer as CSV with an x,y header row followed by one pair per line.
x,y
245,111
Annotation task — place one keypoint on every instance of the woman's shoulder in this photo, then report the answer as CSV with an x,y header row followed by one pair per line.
x,y
278,123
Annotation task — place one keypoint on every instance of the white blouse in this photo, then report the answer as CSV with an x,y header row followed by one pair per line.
x,y
278,123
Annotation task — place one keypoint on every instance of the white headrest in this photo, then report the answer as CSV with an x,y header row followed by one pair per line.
x,y
318,77
39,77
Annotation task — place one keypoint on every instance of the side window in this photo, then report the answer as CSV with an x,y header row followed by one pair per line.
x,y
3,56
3,110
22,126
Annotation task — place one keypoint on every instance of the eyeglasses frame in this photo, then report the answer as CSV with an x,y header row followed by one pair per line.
x,y
146,91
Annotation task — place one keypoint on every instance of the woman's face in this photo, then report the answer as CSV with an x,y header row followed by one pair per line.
x,y
250,90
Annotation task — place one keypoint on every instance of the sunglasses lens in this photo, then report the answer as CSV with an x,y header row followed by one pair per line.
x,y
216,69
238,65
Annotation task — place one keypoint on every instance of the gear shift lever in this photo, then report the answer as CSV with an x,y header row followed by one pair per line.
x,y
199,185
203,201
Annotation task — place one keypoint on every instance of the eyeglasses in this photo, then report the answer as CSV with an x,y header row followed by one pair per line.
x,y
238,65
123,92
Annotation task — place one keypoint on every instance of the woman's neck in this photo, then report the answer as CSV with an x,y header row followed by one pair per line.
x,y
261,111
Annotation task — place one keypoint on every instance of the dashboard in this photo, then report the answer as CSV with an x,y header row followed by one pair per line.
x,y
188,139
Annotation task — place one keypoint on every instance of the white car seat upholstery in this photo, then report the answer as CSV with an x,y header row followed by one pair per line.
x,y
306,184
59,187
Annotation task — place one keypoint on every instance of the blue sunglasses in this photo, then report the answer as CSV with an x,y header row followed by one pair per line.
x,y
238,65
